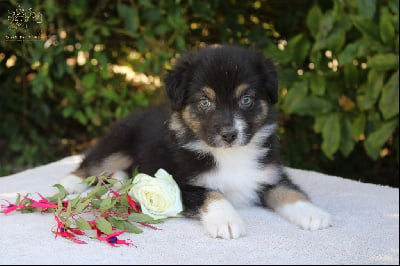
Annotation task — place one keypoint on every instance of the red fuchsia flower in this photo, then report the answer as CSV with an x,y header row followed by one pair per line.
x,y
62,231
43,203
76,231
65,203
115,193
133,203
112,239
10,207
94,226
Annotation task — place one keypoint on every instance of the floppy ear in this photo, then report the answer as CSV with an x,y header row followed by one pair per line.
x,y
176,81
270,79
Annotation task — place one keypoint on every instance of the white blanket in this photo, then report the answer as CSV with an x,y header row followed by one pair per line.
x,y
365,229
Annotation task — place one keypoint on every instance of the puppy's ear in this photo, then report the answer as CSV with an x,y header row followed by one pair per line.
x,y
176,81
270,79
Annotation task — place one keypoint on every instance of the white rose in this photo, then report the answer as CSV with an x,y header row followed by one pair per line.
x,y
158,196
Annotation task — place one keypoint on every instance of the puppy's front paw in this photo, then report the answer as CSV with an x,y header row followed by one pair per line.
x,y
120,176
73,184
306,215
221,220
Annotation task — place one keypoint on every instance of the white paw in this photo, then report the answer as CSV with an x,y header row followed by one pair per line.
x,y
221,220
73,184
306,215
120,176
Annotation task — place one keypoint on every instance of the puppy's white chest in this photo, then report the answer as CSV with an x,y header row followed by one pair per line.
x,y
238,174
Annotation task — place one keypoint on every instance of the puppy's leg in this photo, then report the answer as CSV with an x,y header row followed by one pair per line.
x,y
113,165
217,214
294,205
73,183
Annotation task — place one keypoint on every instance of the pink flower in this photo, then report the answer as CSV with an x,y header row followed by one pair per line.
x,y
43,203
94,226
10,207
112,239
133,203
62,231
115,193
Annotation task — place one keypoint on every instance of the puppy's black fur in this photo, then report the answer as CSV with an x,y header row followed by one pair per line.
x,y
217,139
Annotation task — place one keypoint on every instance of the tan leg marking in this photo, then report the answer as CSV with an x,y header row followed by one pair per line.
x,y
280,196
211,197
111,164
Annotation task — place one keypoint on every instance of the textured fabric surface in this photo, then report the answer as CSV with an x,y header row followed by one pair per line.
x,y
365,229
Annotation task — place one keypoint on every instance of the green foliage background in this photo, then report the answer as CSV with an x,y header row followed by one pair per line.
x,y
97,61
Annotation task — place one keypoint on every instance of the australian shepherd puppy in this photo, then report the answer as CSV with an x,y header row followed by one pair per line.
x,y
217,138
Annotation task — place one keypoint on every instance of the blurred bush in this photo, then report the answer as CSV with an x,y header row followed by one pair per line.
x,y
97,61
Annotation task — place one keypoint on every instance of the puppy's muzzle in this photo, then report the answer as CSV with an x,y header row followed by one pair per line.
x,y
229,134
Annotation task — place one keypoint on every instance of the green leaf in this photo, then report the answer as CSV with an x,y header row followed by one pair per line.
x,y
375,84
351,75
379,137
331,135
366,26
89,80
110,94
319,123
90,180
146,3
334,41
346,141
317,84
67,111
82,205
298,47
62,193
180,43
368,93
125,225
389,102
82,224
131,228
103,190
141,217
295,96
358,126
313,19
78,115
349,53
130,17
383,62
161,29
107,204
17,199
60,207
366,8
75,201
326,25
386,27
104,225
394,6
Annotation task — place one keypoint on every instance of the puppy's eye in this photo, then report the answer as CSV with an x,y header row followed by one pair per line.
x,y
246,100
204,103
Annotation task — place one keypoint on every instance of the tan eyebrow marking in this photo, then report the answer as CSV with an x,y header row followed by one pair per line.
x,y
241,89
210,93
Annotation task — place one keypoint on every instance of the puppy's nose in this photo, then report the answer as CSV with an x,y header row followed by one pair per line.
x,y
229,134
